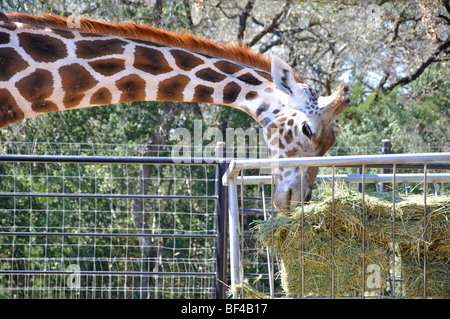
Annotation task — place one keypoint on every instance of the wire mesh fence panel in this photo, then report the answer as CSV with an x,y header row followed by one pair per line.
x,y
121,230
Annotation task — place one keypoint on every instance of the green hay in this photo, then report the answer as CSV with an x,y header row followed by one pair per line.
x,y
349,275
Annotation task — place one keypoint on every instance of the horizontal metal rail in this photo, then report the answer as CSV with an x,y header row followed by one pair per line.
x,y
106,235
368,161
355,178
136,160
105,273
113,196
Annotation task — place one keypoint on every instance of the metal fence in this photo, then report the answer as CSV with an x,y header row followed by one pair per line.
x,y
423,169
70,227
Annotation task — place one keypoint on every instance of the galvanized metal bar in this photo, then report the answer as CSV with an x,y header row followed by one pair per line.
x,y
111,196
242,235
136,160
268,254
393,231
220,224
272,216
363,230
332,232
356,178
105,235
341,161
104,273
425,222
233,231
303,234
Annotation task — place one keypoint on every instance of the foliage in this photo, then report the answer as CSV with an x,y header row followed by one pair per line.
x,y
413,118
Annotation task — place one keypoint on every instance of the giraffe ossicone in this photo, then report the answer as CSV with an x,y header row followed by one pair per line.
x,y
46,66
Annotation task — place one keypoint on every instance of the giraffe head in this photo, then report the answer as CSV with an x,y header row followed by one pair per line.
x,y
301,127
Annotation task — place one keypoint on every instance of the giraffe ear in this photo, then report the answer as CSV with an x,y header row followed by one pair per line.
x,y
283,76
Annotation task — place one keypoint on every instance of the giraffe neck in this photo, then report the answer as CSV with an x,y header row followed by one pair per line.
x,y
50,69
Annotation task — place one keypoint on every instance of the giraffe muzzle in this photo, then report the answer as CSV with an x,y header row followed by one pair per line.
x,y
291,198
290,194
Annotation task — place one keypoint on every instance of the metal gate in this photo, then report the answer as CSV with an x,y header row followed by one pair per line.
x,y
425,163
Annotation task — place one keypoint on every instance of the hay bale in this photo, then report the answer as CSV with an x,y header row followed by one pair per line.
x,y
437,273
349,276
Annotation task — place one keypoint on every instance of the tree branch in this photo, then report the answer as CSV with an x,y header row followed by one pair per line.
x,y
243,20
275,22
413,76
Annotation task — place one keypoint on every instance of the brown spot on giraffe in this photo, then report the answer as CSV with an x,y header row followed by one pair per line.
x,y
296,130
132,87
108,67
281,119
262,108
265,75
251,95
37,88
10,112
91,35
148,43
288,137
265,121
210,75
64,33
10,63
231,92
44,106
87,49
203,94
172,88
291,153
151,61
8,26
249,79
42,47
227,67
4,38
102,96
76,80
186,61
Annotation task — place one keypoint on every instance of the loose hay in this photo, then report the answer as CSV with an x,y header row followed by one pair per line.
x,y
349,276
248,291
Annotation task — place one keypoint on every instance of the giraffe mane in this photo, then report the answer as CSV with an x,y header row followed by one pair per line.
x,y
184,40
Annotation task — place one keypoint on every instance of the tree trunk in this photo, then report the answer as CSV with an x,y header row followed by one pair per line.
x,y
141,224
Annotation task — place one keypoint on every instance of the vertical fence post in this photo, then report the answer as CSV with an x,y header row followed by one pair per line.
x,y
221,224
385,149
233,225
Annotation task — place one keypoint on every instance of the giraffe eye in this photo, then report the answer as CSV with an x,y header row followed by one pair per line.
x,y
306,130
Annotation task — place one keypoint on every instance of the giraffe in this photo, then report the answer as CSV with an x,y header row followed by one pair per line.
x,y
46,65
